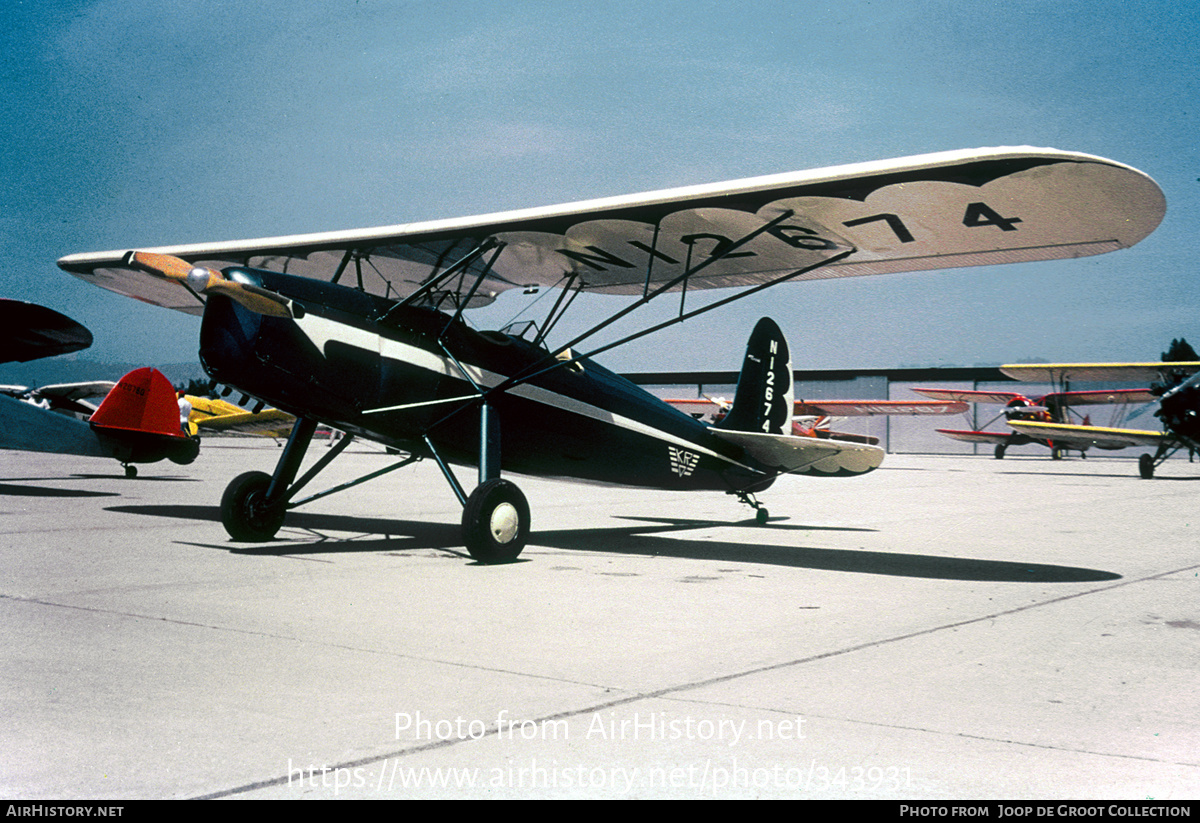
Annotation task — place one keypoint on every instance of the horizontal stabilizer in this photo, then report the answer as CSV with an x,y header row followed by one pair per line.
x,y
26,427
806,455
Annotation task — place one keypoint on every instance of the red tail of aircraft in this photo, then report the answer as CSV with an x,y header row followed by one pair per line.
x,y
139,420
143,401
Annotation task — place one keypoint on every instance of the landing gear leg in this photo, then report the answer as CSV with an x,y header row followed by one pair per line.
x,y
253,505
495,521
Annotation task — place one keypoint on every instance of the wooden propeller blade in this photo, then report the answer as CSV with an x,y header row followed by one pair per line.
x,y
206,281
163,265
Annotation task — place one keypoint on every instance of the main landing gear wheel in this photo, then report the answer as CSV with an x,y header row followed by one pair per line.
x,y
495,522
244,512
1146,466
1000,452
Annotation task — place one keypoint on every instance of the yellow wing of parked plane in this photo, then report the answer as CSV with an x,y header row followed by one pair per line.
x,y
216,415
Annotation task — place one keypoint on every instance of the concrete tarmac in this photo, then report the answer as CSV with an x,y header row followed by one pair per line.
x,y
944,628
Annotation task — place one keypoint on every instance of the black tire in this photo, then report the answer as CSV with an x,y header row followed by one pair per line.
x,y
1146,466
1056,453
243,512
495,522
130,471
1000,452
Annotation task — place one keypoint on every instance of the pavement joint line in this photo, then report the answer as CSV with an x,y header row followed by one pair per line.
x,y
964,735
699,684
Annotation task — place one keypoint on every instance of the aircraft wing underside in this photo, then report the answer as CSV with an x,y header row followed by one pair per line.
x,y
1098,436
1097,372
935,211
992,438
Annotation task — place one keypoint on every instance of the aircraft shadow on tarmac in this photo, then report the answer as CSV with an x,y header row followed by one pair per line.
x,y
15,486
8,489
647,538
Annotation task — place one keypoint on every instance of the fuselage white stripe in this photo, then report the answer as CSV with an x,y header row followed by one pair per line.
x,y
321,330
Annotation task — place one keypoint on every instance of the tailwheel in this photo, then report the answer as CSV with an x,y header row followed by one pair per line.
x,y
130,470
244,510
761,515
1146,466
495,522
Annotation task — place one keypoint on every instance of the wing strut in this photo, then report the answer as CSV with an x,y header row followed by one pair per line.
x,y
553,357
555,314
533,371
429,285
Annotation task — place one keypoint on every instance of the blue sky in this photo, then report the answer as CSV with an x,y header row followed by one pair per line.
x,y
129,123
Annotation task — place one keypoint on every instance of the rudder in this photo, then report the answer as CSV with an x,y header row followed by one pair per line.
x,y
763,402
143,401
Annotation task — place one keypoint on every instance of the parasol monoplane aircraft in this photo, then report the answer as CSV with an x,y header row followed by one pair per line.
x,y
1175,385
365,331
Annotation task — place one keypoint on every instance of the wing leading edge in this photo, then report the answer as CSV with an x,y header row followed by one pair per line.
x,y
935,211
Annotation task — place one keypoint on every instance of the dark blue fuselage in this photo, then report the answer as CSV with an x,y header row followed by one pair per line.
x,y
398,374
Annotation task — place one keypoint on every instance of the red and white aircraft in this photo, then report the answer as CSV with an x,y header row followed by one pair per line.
x,y
812,418
1047,408
1172,384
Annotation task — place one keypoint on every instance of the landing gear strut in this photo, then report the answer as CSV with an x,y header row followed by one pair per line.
x,y
495,520
254,503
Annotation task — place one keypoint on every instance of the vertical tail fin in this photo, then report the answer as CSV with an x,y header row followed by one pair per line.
x,y
143,401
763,402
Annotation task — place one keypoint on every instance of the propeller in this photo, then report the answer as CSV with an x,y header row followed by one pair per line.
x,y
207,281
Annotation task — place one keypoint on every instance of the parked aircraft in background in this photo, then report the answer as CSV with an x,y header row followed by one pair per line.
x,y
1053,408
74,399
30,332
138,421
214,415
364,330
1175,385
812,418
